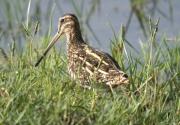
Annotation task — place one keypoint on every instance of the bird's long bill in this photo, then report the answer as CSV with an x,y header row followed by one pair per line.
x,y
55,38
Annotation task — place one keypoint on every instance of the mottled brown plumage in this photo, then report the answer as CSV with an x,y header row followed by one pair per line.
x,y
84,62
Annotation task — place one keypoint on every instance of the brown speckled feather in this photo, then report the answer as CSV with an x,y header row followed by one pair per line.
x,y
84,62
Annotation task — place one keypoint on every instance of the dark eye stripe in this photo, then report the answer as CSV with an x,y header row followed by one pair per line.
x,y
62,20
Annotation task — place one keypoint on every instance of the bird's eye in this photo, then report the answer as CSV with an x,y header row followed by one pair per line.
x,y
62,20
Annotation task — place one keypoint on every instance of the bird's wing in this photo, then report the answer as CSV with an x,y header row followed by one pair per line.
x,y
98,58
99,65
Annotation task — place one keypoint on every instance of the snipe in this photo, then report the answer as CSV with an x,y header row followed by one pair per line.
x,y
84,62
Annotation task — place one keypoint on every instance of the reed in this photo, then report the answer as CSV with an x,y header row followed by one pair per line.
x,y
47,94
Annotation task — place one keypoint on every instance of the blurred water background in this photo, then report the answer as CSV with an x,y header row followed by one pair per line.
x,y
95,16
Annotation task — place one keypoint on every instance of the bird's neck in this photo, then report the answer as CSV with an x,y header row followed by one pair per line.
x,y
74,38
74,43
74,33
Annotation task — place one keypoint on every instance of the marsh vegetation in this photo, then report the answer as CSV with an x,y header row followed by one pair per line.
x,y
47,95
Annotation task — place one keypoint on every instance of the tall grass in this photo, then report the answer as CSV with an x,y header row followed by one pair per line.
x,y
47,95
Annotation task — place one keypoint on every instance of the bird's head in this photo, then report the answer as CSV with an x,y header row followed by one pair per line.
x,y
68,24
